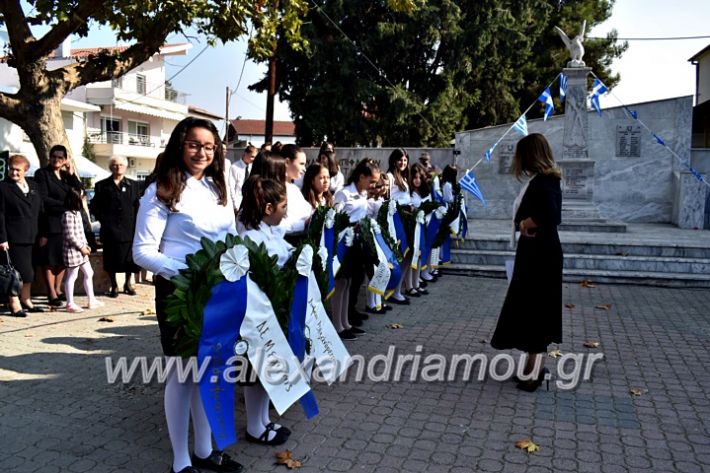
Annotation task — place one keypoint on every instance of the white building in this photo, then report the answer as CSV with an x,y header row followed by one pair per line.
x,y
131,116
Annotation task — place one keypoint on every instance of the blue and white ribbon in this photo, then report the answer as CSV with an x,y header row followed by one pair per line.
x,y
381,275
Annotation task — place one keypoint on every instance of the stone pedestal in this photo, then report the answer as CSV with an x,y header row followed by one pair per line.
x,y
576,135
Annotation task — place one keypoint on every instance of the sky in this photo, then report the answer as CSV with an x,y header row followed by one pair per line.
x,y
650,70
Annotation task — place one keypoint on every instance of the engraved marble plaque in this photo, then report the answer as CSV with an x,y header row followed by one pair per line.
x,y
506,151
628,141
578,179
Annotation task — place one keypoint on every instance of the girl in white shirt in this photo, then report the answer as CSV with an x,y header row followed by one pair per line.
x,y
187,201
420,193
353,200
299,210
398,175
316,186
329,159
263,209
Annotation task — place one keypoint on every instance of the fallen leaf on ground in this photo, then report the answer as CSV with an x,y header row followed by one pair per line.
x,y
285,458
569,306
636,391
483,340
28,335
603,306
527,445
395,326
587,284
148,312
555,354
105,319
591,344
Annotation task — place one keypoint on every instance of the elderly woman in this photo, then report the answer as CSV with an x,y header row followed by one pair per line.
x,y
53,182
20,207
115,204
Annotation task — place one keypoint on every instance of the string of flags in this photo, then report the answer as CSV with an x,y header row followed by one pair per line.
x,y
468,181
599,89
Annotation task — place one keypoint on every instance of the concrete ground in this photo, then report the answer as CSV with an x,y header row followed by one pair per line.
x,y
59,414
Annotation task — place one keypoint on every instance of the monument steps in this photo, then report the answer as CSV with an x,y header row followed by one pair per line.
x,y
683,280
650,254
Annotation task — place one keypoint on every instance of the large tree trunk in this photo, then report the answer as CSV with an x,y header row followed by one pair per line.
x,y
43,123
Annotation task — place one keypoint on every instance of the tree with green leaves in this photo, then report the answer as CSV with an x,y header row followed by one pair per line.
x,y
35,107
374,76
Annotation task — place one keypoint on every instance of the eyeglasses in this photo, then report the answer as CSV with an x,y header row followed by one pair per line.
x,y
197,147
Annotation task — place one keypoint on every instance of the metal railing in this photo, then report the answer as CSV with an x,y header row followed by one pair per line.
x,y
123,138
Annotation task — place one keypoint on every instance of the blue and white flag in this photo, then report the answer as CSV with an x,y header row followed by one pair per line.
x,y
659,140
633,113
546,98
597,89
489,152
468,183
521,126
563,87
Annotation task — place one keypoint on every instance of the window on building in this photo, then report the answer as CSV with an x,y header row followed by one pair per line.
x,y
117,83
111,129
68,118
140,84
138,133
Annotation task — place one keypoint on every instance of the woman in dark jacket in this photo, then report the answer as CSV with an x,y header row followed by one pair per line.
x,y
20,208
531,317
54,181
115,204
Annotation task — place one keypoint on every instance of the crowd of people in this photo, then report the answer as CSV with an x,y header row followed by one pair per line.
x,y
269,196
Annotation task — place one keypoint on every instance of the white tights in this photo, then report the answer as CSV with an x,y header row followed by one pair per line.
x,y
183,400
256,402
70,278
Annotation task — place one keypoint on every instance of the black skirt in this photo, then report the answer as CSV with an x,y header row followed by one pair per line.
x,y
21,256
118,257
168,333
52,254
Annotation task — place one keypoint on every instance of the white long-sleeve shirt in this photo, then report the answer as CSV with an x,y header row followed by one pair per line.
x,y
356,204
237,174
337,182
163,238
448,192
401,196
298,211
273,240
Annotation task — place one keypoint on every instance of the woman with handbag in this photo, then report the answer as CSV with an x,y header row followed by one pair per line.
x,y
20,208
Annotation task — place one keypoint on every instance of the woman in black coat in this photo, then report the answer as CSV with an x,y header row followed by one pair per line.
x,y
20,208
531,317
115,204
54,181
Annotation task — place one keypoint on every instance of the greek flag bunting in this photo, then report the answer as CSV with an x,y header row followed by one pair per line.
x,y
468,183
489,152
597,89
659,140
521,126
633,113
563,87
546,98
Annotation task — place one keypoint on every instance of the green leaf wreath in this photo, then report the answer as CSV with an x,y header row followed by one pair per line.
x,y
391,240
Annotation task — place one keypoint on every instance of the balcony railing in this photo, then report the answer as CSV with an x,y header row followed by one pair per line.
x,y
159,90
123,138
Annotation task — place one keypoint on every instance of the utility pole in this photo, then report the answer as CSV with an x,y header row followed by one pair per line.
x,y
226,119
271,92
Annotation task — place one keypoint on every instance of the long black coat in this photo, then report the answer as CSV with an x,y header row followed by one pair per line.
x,y
54,191
115,207
19,214
531,317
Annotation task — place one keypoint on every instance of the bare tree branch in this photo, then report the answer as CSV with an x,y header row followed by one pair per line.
x,y
17,28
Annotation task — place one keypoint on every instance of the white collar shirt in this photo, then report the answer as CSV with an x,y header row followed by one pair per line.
x,y
352,202
273,240
163,238
298,211
237,176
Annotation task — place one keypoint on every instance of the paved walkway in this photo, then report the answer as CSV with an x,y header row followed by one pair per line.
x,y
58,413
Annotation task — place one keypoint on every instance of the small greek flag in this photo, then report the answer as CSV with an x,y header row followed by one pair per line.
x,y
597,89
489,152
563,87
659,140
695,173
468,183
631,112
521,126
546,98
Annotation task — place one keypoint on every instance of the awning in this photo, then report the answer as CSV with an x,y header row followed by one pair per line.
x,y
153,112
87,169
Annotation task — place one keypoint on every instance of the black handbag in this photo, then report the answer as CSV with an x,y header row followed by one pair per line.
x,y
10,279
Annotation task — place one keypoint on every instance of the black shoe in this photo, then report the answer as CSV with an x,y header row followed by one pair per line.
x,y
263,439
19,313
413,293
113,293
405,301
56,302
422,292
375,310
282,429
129,290
62,297
218,461
386,307
532,385
357,331
356,314
33,309
355,322
347,335
423,283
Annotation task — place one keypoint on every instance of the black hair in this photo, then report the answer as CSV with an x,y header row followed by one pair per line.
x,y
269,165
308,192
72,201
366,167
258,192
400,177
